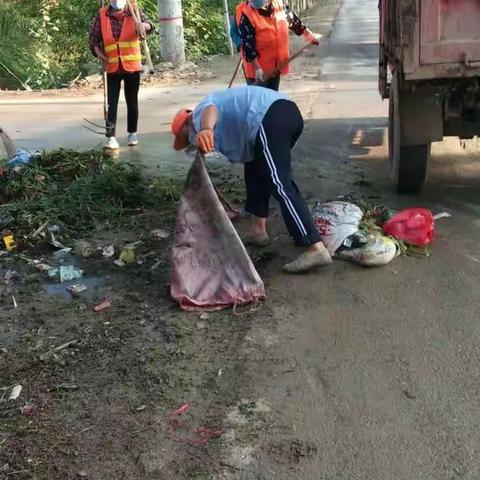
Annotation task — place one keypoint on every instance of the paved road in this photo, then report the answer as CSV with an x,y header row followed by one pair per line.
x,y
371,374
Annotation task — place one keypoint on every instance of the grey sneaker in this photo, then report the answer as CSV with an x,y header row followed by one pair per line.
x,y
132,139
112,144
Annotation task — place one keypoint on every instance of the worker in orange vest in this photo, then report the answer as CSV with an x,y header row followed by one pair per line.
x,y
115,40
264,29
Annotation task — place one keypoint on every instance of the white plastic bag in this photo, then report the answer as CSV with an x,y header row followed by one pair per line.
x,y
378,251
336,221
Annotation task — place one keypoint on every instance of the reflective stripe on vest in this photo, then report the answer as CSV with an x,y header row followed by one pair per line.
x,y
126,50
125,58
271,38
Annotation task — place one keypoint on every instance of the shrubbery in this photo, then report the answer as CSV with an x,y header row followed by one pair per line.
x,y
45,42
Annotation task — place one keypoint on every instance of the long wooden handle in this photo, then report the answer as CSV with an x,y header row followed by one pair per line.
x,y
104,83
146,48
136,16
289,60
235,72
105,96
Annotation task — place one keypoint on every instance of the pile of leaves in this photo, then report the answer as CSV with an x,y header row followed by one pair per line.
x,y
76,191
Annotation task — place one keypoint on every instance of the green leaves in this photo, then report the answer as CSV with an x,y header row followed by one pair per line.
x,y
76,190
204,28
45,42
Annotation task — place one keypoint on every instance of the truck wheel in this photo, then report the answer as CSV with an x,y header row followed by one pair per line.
x,y
408,164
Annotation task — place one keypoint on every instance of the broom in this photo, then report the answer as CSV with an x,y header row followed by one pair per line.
x,y
7,144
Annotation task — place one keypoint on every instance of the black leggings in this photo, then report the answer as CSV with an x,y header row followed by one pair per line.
x,y
270,172
131,86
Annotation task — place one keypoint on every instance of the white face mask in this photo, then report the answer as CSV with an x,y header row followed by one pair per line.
x,y
119,4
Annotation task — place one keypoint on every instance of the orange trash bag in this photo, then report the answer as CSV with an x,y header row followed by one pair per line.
x,y
211,269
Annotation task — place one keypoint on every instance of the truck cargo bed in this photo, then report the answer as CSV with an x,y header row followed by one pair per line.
x,y
431,39
449,31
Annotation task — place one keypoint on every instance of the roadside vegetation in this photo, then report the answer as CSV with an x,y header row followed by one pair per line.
x,y
44,43
77,192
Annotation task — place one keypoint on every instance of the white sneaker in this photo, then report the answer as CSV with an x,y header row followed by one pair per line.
x,y
112,144
132,139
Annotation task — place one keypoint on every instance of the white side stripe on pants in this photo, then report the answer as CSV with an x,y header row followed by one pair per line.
x,y
278,183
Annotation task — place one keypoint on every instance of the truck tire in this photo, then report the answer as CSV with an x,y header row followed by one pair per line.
x,y
408,164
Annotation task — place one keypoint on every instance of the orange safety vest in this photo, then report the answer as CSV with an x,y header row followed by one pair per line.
x,y
126,50
271,38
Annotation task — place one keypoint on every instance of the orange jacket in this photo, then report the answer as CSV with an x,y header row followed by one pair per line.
x,y
271,38
126,50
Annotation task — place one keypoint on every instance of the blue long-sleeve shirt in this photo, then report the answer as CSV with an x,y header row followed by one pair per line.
x,y
240,112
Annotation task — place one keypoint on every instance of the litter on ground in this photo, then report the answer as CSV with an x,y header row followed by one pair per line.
x,y
335,222
415,226
104,305
374,235
9,242
83,249
16,391
377,251
108,251
200,436
159,234
127,255
65,273
77,289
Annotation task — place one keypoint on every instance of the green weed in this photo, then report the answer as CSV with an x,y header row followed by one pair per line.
x,y
77,191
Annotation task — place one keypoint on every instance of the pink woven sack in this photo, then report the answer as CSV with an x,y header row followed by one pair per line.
x,y
211,269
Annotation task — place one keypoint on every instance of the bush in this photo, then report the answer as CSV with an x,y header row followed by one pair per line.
x,y
204,28
44,43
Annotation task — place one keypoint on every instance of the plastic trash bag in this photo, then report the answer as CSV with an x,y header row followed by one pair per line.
x,y
414,225
336,221
376,252
22,157
211,268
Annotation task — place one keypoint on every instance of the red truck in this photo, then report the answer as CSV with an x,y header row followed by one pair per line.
x,y
429,69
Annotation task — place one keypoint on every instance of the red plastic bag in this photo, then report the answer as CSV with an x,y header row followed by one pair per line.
x,y
211,269
414,225
201,435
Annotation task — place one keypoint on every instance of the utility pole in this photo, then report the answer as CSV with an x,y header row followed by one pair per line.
x,y
172,43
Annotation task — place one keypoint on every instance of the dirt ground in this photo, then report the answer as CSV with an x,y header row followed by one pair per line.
x,y
343,373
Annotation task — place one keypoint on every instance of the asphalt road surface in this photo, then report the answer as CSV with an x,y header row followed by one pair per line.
x,y
374,373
